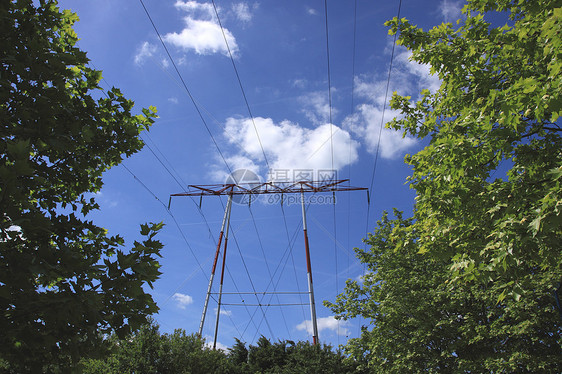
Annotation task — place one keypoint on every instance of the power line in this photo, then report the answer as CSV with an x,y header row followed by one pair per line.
x,y
246,308
331,147
379,139
382,118
353,58
268,269
251,282
192,100
187,90
164,165
329,78
181,183
292,257
170,213
289,254
185,86
352,113
257,135
249,110
255,129
240,83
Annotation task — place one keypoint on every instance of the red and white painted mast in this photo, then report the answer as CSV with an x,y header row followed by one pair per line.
x,y
309,275
222,273
226,214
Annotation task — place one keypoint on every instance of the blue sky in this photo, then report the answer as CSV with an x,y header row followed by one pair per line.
x,y
280,52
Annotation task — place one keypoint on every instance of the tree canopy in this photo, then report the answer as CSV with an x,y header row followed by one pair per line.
x,y
149,351
479,265
419,323
63,280
488,184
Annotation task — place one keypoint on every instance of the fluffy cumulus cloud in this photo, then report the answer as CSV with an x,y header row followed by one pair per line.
x,y
201,33
288,145
408,78
322,145
183,300
145,51
326,323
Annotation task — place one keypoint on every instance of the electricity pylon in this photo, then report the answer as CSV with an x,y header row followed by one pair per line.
x,y
251,190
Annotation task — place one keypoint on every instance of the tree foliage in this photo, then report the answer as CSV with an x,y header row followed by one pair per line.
x,y
287,356
488,184
63,280
419,323
487,218
148,351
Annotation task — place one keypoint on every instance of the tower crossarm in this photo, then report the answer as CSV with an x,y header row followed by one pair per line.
x,y
268,188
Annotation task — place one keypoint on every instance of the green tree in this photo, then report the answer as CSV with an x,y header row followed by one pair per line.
x,y
419,323
238,354
487,216
488,184
265,356
289,357
149,351
63,281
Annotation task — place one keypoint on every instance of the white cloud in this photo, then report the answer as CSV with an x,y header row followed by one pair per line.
x,y
173,100
201,34
204,37
289,145
451,10
209,344
219,173
326,323
224,312
317,107
145,51
183,300
312,11
299,83
407,69
242,12
366,124
204,9
408,78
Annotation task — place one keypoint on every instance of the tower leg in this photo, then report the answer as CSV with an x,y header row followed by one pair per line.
x,y
226,213
222,271
309,276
